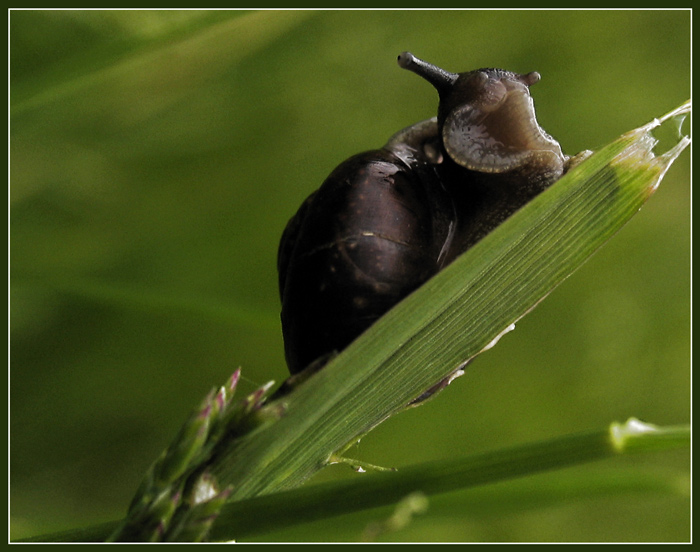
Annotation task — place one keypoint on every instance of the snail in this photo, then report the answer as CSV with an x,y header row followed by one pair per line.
x,y
386,220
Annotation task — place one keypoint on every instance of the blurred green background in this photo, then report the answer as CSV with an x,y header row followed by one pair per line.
x,y
156,157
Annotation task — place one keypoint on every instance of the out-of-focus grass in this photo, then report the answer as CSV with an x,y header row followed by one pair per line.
x,y
155,159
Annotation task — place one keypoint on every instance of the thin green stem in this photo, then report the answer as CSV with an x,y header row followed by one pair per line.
x,y
242,519
258,515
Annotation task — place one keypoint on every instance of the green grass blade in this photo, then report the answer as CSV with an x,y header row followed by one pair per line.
x,y
139,58
258,515
455,316
265,513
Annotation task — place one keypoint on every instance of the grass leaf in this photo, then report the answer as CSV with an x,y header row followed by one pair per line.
x,y
259,515
454,316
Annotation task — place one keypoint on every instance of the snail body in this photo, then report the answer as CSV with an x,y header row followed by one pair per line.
x,y
386,220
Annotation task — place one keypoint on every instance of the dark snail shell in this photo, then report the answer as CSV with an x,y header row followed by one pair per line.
x,y
374,231
385,221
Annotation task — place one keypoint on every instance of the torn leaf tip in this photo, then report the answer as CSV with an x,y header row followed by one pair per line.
x,y
620,433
